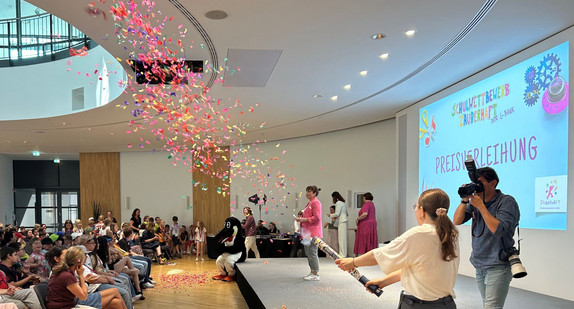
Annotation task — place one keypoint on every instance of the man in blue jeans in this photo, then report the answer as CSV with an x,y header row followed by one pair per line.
x,y
494,218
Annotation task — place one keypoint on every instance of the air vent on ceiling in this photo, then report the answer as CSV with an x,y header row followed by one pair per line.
x,y
164,71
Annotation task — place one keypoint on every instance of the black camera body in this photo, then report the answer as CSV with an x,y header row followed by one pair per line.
x,y
505,254
475,185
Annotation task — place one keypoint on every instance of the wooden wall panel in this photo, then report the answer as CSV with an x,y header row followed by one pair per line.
x,y
209,206
99,183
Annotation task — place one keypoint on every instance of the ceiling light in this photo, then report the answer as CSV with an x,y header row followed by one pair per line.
x,y
363,73
64,123
56,160
317,95
378,36
410,32
36,153
334,98
347,87
384,56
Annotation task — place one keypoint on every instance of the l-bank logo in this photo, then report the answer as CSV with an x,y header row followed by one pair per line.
x,y
550,194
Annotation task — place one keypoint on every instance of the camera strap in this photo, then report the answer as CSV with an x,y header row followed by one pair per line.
x,y
517,225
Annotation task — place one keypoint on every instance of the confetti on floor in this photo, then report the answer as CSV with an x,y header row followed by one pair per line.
x,y
179,279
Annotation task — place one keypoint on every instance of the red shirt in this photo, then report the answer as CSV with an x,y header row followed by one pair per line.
x,y
58,294
3,281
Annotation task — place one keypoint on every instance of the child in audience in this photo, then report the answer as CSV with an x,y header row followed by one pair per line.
x,y
100,225
47,244
184,240
68,227
200,239
37,261
175,229
78,226
192,229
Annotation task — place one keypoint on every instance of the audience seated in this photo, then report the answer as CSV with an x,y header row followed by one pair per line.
x,y
113,268
261,229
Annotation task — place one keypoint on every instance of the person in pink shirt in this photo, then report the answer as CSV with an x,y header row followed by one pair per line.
x,y
367,238
311,226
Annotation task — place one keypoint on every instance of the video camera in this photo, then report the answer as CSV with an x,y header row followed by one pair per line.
x,y
475,185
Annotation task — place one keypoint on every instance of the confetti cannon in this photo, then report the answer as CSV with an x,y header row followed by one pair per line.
x,y
354,272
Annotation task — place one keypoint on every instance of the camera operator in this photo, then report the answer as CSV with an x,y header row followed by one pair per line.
x,y
494,218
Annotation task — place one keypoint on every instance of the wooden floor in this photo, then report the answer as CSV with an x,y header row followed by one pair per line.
x,y
189,283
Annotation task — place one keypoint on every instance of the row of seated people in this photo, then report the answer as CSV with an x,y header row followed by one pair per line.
x,y
112,272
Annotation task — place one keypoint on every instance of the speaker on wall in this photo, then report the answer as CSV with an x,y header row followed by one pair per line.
x,y
349,198
187,201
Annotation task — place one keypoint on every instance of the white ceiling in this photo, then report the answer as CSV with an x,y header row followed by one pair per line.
x,y
323,45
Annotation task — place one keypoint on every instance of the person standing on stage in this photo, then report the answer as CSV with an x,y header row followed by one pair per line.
x,y
249,228
341,221
311,226
425,258
367,238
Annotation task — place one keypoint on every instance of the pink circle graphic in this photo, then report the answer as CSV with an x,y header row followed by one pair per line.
x,y
555,98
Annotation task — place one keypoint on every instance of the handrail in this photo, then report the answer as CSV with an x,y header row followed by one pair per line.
x,y
24,17
38,38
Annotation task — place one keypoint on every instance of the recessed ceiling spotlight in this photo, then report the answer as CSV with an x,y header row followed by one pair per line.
x,y
216,14
56,160
378,36
318,95
363,73
410,32
36,153
112,133
384,56
64,123
347,87
334,98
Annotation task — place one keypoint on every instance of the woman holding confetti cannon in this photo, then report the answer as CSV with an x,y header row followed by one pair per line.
x,y
311,226
425,258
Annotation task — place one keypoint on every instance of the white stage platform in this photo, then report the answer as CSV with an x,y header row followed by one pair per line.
x,y
277,282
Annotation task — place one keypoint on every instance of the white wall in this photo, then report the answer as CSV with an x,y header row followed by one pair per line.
x,y
6,186
149,181
361,159
543,252
53,84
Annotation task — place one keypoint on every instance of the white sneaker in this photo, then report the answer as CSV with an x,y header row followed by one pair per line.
x,y
311,277
147,285
196,260
151,281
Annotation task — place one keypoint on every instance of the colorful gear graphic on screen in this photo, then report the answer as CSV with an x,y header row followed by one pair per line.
x,y
530,75
531,94
548,69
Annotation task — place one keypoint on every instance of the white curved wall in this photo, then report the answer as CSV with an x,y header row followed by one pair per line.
x,y
45,90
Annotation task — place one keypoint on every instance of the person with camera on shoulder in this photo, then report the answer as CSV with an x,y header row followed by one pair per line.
x,y
494,217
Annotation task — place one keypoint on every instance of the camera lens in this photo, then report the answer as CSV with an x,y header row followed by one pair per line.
x,y
516,267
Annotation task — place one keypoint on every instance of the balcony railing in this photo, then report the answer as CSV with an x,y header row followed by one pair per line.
x,y
39,38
